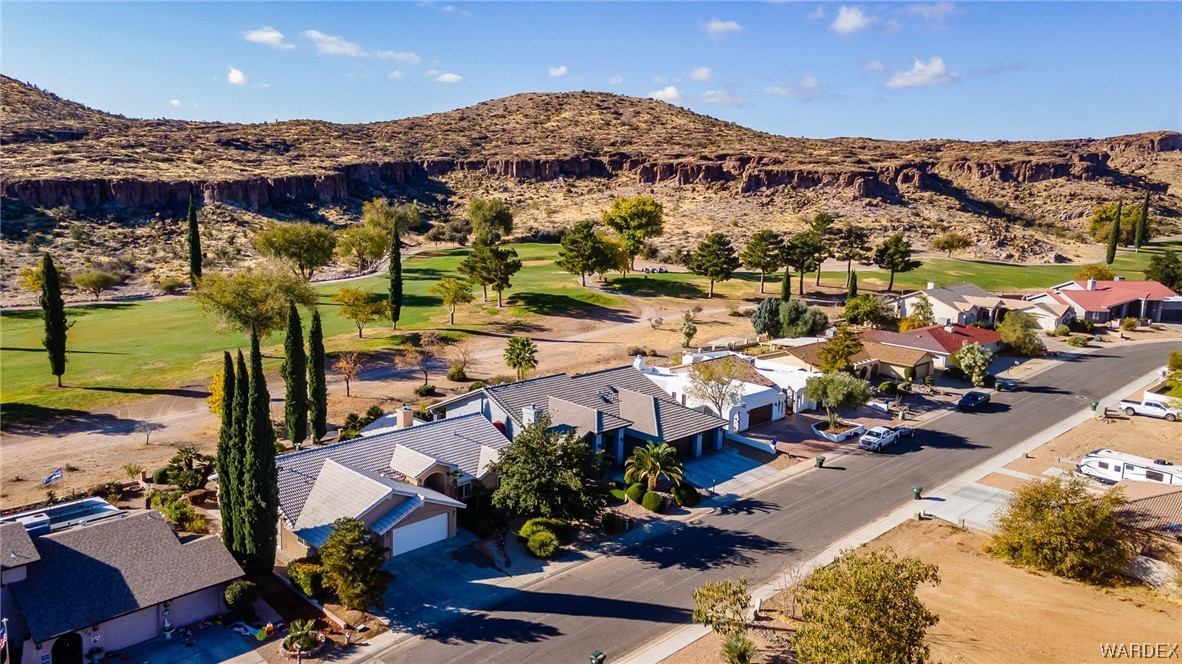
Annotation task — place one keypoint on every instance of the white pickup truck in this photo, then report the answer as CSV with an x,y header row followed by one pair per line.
x,y
1151,409
880,438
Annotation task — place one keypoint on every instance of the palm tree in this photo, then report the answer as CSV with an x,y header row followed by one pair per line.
x,y
301,633
652,462
521,355
186,456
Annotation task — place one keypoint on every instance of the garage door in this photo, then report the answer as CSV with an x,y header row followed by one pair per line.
x,y
197,606
759,415
422,533
130,629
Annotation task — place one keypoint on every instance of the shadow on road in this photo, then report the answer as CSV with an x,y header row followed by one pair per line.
x,y
711,547
927,438
24,419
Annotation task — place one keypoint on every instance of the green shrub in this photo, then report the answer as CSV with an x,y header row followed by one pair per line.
x,y
686,495
171,285
635,493
654,502
1129,324
241,595
476,386
616,494
929,380
543,544
909,373
905,386
185,480
887,387
633,351
612,523
424,390
1062,330
160,475
456,373
1077,342
307,575
1085,326
558,527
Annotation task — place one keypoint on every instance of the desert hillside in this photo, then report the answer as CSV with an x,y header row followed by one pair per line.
x,y
89,185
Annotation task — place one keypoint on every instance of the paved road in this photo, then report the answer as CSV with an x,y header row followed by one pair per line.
x,y
618,603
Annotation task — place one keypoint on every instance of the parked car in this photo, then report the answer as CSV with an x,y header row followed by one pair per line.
x,y
1151,409
972,401
880,438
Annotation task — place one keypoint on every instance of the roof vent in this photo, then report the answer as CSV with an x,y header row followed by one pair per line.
x,y
1091,284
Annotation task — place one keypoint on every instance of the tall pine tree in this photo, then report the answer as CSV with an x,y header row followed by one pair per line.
x,y
227,455
194,245
238,456
1141,232
53,310
295,379
395,277
853,289
317,389
260,487
1113,237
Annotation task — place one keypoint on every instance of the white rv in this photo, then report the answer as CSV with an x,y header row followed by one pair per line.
x,y
1111,467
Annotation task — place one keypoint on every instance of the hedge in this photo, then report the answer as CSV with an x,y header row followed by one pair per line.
x,y
635,493
612,523
241,595
543,544
556,527
160,475
307,575
654,502
686,495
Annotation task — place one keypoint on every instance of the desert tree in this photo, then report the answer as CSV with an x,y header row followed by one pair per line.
x,y
635,220
1166,269
714,259
688,332
194,242
380,214
359,306
354,559
31,278
491,220
836,354
253,300
295,379
348,365
837,390
722,606
894,254
305,247
1095,271
95,282
611,257
951,241
800,253
974,360
317,386
490,266
581,250
764,253
521,355
717,382
850,243
868,310
798,319
53,312
453,292
823,225
921,314
550,474
421,357
1019,330
363,244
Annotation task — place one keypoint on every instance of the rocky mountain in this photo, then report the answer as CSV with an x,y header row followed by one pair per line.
x,y
558,157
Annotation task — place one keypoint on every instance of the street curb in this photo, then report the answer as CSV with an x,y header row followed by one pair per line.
x,y
684,636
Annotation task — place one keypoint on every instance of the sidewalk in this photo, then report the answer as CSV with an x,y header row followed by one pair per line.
x,y
680,638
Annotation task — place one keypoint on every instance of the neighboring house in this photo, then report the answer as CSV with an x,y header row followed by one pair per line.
x,y
1154,508
789,377
109,583
875,359
403,418
615,410
1104,301
405,484
759,398
939,341
969,303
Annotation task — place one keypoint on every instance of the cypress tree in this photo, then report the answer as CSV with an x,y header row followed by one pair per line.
x,y
295,379
1141,235
226,454
1113,237
259,482
853,290
53,310
395,277
238,457
317,390
786,285
194,245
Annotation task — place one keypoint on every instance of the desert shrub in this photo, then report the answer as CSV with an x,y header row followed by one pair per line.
x,y
241,595
171,285
456,373
1085,326
185,480
307,575
612,523
160,475
633,351
1077,342
498,380
738,649
686,495
635,493
929,380
543,544
476,386
905,386
1129,324
424,390
1062,330
303,635
887,387
654,502
560,527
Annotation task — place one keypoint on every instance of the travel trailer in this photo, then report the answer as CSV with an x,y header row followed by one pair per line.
x,y
1111,467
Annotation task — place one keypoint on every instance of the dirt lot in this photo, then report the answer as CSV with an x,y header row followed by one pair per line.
x,y
1143,436
994,612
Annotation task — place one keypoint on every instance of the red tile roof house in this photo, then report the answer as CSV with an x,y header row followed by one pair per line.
x,y
939,340
1104,301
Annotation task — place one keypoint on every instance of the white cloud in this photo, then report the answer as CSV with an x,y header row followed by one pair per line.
x,y
850,20
333,45
718,29
660,80
722,97
236,77
817,14
558,71
922,75
431,72
269,36
807,88
668,93
700,74
406,57
448,77
176,103
395,75
937,11
873,65
615,80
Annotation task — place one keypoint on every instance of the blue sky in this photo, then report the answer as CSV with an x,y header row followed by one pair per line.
x,y
896,70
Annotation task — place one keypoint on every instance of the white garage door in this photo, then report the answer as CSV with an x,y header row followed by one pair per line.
x,y
130,629
196,607
415,535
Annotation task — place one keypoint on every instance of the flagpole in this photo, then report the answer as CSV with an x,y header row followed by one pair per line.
x,y
7,653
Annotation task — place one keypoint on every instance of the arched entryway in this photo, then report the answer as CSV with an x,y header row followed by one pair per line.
x,y
68,649
436,482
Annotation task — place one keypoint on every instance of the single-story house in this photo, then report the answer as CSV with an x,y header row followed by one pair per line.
x,y
105,584
969,303
1152,507
875,359
1103,301
759,399
615,410
938,341
405,484
790,378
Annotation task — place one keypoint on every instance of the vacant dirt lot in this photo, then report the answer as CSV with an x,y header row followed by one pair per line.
x,y
1143,436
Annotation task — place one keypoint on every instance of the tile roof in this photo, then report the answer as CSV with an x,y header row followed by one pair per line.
x,y
92,573
871,351
955,295
16,547
410,462
745,370
936,339
459,441
1108,294
1152,507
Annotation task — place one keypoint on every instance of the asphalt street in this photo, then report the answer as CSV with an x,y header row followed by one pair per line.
x,y
617,603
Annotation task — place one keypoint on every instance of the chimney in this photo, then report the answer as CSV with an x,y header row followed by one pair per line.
x,y
931,285
530,414
950,328
1091,284
638,363
404,418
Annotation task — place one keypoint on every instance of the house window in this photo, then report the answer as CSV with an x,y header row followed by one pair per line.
x,y
1154,476
465,490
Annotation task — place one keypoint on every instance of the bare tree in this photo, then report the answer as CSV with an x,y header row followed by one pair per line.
x,y
718,382
349,365
421,357
145,427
